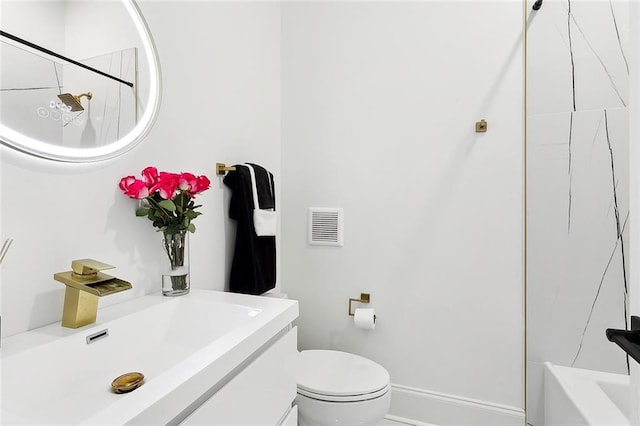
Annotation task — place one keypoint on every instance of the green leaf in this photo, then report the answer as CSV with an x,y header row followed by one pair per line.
x,y
142,211
167,205
191,228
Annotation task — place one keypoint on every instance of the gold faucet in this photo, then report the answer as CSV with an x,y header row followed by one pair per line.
x,y
84,284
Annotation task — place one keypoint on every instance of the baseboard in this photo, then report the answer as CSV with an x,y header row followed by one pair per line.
x,y
427,407
405,421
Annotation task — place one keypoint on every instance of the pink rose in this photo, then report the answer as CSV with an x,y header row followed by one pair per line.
x,y
134,188
202,184
187,182
191,184
166,185
126,181
150,176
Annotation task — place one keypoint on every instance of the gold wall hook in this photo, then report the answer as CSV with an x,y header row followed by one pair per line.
x,y
481,126
364,298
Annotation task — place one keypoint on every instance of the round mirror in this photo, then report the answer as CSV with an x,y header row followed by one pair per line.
x,y
79,80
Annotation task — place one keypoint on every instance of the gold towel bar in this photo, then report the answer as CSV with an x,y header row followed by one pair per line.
x,y
222,168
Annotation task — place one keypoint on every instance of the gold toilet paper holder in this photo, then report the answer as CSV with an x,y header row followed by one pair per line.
x,y
364,298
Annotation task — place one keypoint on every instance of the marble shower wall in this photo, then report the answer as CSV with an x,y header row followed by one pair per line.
x,y
577,188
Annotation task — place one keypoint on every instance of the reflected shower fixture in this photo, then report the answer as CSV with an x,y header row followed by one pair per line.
x,y
537,5
73,101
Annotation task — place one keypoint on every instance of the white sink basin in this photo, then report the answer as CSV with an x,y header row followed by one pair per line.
x,y
184,346
575,396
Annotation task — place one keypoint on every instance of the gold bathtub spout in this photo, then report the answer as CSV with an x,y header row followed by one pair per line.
x,y
84,285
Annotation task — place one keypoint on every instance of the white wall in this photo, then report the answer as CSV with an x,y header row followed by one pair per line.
x,y
221,102
577,267
379,104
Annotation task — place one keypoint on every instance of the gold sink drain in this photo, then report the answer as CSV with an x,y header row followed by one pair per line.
x,y
127,382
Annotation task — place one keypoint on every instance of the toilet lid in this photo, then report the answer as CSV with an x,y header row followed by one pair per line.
x,y
335,373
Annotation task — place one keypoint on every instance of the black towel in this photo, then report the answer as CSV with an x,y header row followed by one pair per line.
x,y
253,270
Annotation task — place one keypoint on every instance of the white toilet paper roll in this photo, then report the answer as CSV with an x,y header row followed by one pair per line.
x,y
365,318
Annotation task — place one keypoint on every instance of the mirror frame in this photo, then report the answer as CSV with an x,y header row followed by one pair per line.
x,y
26,144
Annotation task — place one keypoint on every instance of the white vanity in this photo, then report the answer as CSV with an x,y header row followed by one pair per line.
x,y
208,358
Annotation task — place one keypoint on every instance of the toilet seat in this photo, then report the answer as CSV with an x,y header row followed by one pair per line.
x,y
345,398
336,376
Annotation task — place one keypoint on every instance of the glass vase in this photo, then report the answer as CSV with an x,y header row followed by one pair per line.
x,y
175,269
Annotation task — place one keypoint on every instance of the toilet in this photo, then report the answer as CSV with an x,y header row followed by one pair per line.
x,y
340,388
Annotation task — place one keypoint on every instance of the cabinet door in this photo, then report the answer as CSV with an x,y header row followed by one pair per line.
x,y
260,394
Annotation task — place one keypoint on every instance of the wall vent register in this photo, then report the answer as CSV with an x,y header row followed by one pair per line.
x,y
326,226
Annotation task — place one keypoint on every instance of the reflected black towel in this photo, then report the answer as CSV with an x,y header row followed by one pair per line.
x,y
253,270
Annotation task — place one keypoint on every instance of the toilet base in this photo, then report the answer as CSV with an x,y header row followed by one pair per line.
x,y
312,412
